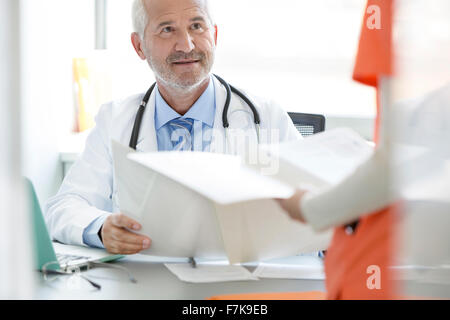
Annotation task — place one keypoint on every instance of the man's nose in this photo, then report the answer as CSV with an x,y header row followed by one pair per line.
x,y
185,43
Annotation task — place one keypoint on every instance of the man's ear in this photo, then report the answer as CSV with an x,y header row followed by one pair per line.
x,y
138,45
215,34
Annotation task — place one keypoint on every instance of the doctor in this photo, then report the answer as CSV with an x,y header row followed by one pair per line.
x,y
184,112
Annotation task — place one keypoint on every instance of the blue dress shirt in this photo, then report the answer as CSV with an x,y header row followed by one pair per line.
x,y
202,113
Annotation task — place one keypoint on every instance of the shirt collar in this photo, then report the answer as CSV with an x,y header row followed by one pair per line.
x,y
203,110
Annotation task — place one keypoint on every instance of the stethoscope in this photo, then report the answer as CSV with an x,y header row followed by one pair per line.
x,y
229,88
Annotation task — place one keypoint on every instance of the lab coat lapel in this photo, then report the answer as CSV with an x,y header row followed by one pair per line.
x,y
218,135
240,123
147,141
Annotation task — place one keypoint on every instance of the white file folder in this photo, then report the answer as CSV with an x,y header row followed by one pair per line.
x,y
215,206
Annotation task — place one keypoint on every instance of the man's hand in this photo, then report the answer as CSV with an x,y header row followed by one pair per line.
x,y
118,240
292,206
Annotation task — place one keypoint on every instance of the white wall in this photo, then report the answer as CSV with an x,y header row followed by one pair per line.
x,y
53,32
15,272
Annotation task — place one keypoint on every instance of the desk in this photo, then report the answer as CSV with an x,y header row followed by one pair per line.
x,y
156,282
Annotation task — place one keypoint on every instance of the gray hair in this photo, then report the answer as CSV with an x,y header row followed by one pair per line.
x,y
140,17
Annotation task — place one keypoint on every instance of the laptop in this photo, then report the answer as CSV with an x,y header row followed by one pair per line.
x,y
58,256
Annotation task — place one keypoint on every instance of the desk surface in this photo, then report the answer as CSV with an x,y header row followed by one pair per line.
x,y
156,282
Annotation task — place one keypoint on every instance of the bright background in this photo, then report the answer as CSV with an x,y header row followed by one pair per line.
x,y
299,53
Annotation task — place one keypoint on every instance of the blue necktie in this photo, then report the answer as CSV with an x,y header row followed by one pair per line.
x,y
181,134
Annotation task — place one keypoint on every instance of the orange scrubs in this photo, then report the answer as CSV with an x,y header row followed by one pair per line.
x,y
353,254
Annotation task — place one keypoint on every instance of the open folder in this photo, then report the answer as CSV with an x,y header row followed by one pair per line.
x,y
217,206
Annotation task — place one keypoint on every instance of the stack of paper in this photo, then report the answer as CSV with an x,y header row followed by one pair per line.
x,y
210,272
298,268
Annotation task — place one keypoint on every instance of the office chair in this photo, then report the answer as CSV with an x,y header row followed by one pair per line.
x,y
308,124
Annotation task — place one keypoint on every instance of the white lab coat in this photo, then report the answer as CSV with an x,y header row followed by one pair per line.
x,y
89,190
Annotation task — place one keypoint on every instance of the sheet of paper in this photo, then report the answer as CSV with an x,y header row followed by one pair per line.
x,y
210,272
180,222
310,271
320,160
220,178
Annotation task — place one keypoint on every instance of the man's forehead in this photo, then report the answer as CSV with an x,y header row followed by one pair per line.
x,y
160,9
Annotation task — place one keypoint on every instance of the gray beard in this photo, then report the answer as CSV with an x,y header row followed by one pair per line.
x,y
178,87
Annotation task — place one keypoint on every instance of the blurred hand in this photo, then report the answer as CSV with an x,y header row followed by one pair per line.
x,y
118,240
292,206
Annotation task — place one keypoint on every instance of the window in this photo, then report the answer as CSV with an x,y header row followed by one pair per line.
x,y
299,53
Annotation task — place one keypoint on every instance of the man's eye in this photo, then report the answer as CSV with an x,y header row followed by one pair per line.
x,y
196,26
167,30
